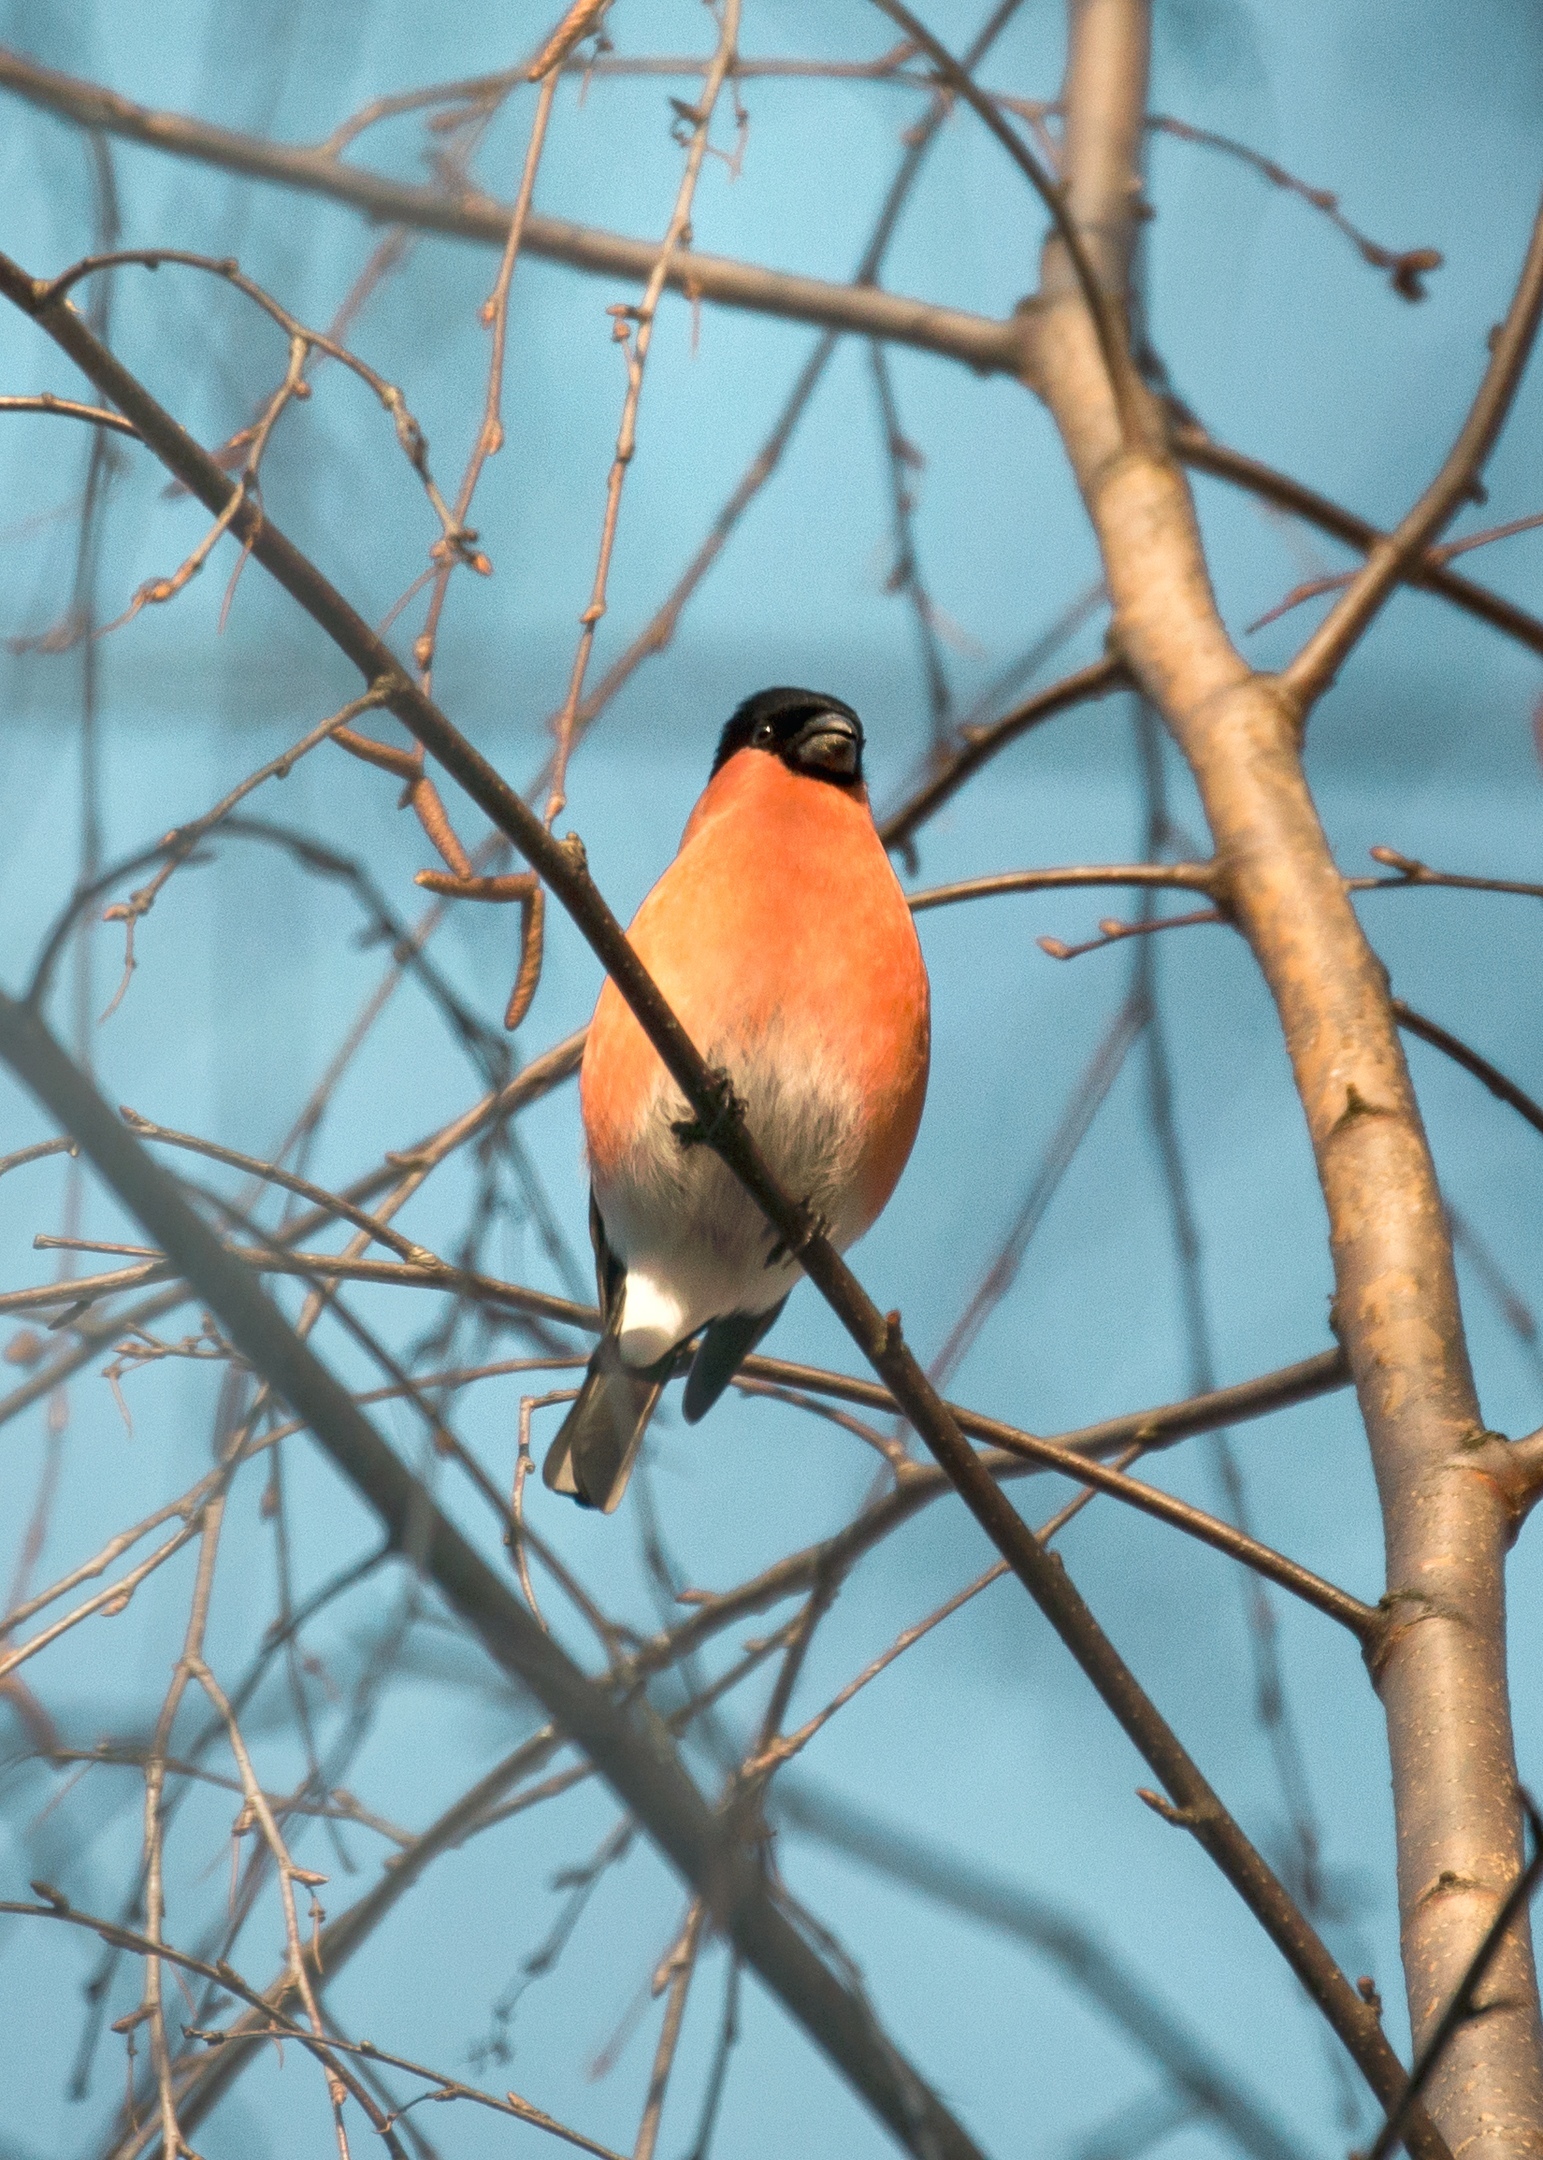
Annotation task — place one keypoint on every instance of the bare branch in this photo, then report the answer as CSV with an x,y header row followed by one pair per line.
x,y
997,1902
1407,268
490,436
1186,877
653,1785
1361,1619
582,20
1086,1098
1427,573
38,1152
1111,931
981,343
1102,296
1315,588
1307,676
981,745
1461,1053
110,1600
675,1972
212,2075
633,330
405,1172
268,1173
661,626
69,409
224,1979
181,843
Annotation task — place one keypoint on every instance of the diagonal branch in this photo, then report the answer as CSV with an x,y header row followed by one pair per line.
x,y
1363,1621
562,867
992,347
981,745
1003,1905
1315,666
1427,572
1453,1046
647,1777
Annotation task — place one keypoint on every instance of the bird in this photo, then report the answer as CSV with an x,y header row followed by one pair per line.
x,y
782,940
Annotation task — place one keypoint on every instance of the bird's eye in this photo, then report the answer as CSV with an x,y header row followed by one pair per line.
x,y
764,735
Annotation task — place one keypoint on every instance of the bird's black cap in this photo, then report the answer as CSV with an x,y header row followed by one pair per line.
x,y
812,734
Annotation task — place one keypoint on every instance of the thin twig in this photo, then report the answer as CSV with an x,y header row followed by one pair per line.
x,y
490,435
662,624
1098,1076
112,1599
268,1173
517,1535
69,409
1204,454
1315,588
1413,872
1104,307
409,435
38,1152
633,328
902,461
675,1971
224,1979
728,2034
1305,677
1187,877
1111,931
1461,1053
1407,268
982,744
181,842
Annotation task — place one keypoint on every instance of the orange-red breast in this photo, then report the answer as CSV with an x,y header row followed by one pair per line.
x,y
781,937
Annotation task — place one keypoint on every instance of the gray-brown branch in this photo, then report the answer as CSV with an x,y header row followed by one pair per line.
x,y
626,1748
1441,1668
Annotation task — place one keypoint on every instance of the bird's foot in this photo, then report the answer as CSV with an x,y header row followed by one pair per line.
x,y
815,1226
728,1110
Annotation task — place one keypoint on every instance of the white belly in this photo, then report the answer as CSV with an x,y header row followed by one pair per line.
x,y
694,1243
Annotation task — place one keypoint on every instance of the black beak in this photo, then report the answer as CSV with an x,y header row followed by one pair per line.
x,y
829,743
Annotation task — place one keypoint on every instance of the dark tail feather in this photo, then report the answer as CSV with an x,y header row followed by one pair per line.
x,y
594,1451
723,1349
591,1459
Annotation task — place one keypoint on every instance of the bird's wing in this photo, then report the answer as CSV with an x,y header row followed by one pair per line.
x,y
610,1274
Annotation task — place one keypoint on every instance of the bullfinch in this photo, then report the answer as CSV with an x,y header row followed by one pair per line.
x,y
782,940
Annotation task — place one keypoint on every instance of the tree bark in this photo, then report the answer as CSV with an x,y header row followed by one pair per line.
x,y
1440,1661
